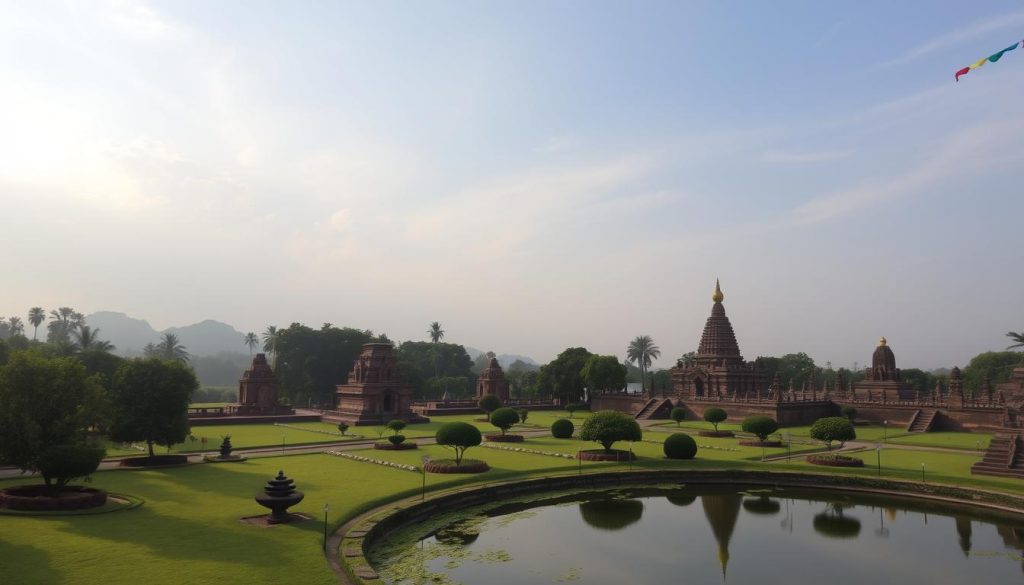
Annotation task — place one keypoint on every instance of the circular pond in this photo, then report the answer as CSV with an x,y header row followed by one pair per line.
x,y
707,535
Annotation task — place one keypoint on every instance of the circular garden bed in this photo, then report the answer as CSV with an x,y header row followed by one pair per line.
x,y
602,455
449,466
41,498
716,434
389,446
835,460
155,461
504,438
761,443
222,459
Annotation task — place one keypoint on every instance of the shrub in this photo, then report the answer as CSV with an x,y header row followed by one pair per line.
x,y
562,428
489,403
504,418
608,426
342,428
678,414
396,439
680,446
833,428
715,416
458,436
849,412
523,413
225,446
571,408
396,425
762,426
62,463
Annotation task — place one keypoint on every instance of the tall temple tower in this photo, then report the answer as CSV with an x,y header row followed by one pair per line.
x,y
882,381
374,393
718,369
492,381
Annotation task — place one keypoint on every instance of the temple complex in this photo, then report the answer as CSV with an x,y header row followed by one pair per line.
x,y
492,381
257,391
882,380
374,393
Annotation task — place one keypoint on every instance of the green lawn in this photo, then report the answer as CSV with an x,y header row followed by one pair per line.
x,y
864,433
248,436
966,441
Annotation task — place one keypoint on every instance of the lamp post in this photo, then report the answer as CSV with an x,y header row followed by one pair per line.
x,y
878,449
922,472
326,509
423,494
885,431
631,455
789,445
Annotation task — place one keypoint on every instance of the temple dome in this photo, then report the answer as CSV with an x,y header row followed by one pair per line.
x,y
883,363
718,339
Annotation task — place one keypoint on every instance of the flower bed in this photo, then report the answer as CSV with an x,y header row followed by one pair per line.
x,y
504,438
835,460
602,455
449,466
389,446
355,457
154,461
529,451
41,498
718,434
761,443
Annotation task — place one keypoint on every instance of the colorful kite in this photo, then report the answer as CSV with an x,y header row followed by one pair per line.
x,y
992,58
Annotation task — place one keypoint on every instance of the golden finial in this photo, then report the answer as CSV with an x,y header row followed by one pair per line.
x,y
718,296
881,342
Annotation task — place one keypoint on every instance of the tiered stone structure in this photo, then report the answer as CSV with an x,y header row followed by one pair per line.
x,y
375,393
257,391
882,380
492,381
718,370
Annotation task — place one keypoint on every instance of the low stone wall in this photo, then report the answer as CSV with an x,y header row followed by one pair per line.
x,y
627,403
249,420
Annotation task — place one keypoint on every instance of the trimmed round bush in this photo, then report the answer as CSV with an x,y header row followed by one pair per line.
x,y
562,428
608,426
760,425
715,416
680,446
458,436
396,425
523,414
833,428
504,418
678,414
396,439
62,463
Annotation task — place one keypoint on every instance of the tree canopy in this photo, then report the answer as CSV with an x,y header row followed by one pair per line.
x,y
562,376
150,402
312,362
997,365
608,426
604,373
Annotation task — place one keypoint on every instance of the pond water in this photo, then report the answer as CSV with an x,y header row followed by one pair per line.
x,y
707,535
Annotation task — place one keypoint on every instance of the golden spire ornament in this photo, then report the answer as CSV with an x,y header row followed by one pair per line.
x,y
718,296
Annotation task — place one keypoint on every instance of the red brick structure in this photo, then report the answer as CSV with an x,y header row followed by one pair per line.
x,y
492,381
374,393
882,380
257,391
718,370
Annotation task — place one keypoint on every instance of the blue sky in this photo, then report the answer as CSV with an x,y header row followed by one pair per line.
x,y
534,175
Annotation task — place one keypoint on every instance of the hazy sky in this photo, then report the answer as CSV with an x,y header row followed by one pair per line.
x,y
533,175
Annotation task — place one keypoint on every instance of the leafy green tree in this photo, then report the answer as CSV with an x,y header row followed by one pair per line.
x,y
396,425
62,322
760,426
715,416
642,352
608,426
342,428
87,339
61,464
435,332
686,359
420,361
1016,338
792,367
489,403
603,373
850,413
997,365
504,418
662,379
252,341
523,415
36,316
563,377
522,379
312,362
15,326
169,349
833,428
150,402
269,338
678,414
45,403
458,436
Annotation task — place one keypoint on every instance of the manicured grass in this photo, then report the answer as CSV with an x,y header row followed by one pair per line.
x,y
246,436
966,441
864,433
208,405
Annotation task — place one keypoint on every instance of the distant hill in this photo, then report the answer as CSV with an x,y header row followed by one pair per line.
x,y
505,359
129,335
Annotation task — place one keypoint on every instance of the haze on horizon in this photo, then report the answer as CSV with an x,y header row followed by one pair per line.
x,y
532,175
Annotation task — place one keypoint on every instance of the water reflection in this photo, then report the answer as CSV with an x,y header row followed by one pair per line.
x,y
682,500
722,511
963,531
833,523
762,505
611,514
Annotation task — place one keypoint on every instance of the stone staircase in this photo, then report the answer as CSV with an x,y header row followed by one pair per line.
x,y
922,422
655,408
1004,457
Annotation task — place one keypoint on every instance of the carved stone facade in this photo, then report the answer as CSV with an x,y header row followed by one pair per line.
x,y
718,370
374,393
492,381
882,380
257,391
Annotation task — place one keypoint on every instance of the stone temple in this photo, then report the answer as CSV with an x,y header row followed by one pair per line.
x,y
257,391
374,393
492,381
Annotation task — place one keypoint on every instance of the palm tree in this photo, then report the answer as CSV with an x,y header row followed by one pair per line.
x,y
36,316
168,349
86,338
16,326
62,322
252,340
270,339
642,352
435,332
1018,339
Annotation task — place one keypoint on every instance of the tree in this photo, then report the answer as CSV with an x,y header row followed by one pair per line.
x,y
396,425
995,365
562,375
36,316
435,332
251,340
715,416
522,379
87,339
679,446
686,359
795,368
833,428
169,349
270,342
46,404
760,426
523,415
312,362
1016,338
849,412
420,362
62,322
489,403
571,408
562,428
150,402
342,428
608,426
16,326
458,436
642,352
504,418
603,373
678,414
